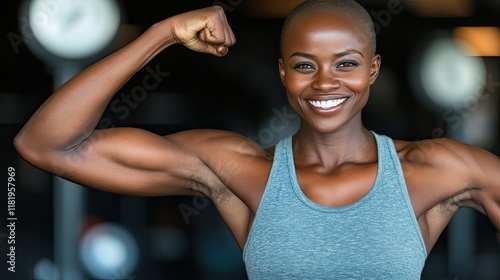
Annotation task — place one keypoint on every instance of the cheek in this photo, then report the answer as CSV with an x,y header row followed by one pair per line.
x,y
296,84
356,81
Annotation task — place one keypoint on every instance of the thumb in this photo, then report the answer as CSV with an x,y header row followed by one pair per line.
x,y
219,50
222,50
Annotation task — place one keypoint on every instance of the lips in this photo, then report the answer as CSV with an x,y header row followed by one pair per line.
x,y
327,104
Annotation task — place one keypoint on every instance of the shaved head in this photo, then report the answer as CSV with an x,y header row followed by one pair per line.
x,y
349,8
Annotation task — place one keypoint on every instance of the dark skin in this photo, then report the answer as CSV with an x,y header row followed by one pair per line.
x,y
324,58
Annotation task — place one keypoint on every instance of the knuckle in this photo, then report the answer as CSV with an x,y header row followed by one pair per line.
x,y
218,8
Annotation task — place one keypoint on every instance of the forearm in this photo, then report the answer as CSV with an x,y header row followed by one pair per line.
x,y
70,115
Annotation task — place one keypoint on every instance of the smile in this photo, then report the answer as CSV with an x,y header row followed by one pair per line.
x,y
327,104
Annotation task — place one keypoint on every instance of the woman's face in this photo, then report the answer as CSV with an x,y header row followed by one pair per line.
x,y
327,68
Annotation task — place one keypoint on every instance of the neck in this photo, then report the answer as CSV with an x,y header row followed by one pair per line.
x,y
354,145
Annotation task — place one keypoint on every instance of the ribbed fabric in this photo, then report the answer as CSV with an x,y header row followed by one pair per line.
x,y
376,237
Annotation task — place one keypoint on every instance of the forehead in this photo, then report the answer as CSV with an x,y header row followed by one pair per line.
x,y
329,27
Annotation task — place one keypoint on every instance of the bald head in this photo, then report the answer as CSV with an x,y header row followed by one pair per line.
x,y
348,8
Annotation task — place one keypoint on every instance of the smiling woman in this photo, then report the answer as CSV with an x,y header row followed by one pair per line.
x,y
333,201
335,62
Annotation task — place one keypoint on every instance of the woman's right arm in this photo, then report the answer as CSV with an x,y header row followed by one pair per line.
x,y
61,137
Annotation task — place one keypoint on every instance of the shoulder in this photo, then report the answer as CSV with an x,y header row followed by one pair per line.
x,y
438,165
444,157
445,153
432,151
450,169
211,143
238,163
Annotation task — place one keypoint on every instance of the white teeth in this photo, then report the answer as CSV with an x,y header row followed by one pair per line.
x,y
327,104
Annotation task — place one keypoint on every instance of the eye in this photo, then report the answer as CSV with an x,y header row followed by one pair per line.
x,y
303,66
347,64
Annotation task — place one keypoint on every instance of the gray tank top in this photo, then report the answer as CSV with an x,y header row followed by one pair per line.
x,y
376,237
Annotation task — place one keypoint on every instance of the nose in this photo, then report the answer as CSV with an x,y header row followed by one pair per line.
x,y
325,81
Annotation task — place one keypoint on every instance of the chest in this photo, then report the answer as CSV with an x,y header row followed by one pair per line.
x,y
343,186
298,242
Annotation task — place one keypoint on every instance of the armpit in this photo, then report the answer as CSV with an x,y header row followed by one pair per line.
x,y
463,199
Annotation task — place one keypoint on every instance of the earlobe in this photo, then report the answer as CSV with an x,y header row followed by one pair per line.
x,y
375,69
282,70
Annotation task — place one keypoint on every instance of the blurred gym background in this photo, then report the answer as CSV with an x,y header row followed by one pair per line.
x,y
440,78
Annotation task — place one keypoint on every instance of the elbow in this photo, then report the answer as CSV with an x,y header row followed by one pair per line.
x,y
39,155
20,143
27,149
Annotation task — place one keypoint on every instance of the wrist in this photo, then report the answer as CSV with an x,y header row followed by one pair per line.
x,y
149,44
162,33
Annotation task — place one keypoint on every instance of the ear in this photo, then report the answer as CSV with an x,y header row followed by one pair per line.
x,y
282,70
375,68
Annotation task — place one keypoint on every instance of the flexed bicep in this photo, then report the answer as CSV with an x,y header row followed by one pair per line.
x,y
134,162
61,132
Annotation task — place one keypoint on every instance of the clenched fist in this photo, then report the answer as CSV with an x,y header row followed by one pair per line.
x,y
205,30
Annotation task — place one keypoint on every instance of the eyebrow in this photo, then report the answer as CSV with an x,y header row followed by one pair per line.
x,y
339,54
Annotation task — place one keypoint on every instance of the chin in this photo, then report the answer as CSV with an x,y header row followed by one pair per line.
x,y
324,127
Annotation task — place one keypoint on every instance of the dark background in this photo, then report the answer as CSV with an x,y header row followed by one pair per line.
x,y
239,92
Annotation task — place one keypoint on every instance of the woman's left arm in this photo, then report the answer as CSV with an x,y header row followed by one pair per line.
x,y
485,181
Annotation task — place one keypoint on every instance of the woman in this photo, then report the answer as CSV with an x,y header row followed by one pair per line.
x,y
334,201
